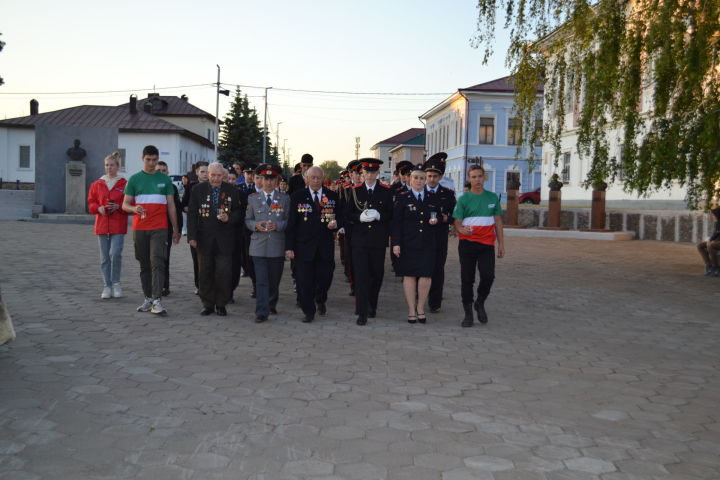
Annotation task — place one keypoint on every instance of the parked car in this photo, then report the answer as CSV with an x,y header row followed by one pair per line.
x,y
530,197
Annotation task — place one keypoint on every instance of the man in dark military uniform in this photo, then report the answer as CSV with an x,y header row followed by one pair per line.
x,y
297,182
444,198
213,211
315,214
252,185
353,179
201,174
402,170
368,215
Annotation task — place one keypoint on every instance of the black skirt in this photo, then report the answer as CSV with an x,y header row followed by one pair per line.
x,y
416,262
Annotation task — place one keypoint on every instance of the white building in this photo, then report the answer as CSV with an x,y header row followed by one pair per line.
x,y
183,133
381,150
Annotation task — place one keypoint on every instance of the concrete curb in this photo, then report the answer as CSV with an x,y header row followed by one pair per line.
x,y
535,233
7,332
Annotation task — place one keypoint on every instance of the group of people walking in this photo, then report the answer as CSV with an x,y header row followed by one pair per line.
x,y
253,227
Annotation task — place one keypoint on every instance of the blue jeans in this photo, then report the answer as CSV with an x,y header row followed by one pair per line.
x,y
111,257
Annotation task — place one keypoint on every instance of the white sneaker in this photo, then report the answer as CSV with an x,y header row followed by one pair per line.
x,y
146,306
116,290
106,293
157,308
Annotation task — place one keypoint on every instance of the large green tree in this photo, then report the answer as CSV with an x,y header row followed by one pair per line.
x,y
242,135
602,58
331,168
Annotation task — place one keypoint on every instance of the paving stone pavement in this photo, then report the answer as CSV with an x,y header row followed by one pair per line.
x,y
600,362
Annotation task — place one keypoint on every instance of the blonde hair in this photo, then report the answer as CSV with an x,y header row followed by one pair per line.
x,y
115,157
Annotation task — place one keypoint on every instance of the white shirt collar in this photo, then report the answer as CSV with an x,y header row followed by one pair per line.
x,y
371,187
312,193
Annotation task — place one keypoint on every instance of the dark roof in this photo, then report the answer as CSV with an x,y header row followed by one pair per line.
x,y
501,85
171,106
402,137
102,116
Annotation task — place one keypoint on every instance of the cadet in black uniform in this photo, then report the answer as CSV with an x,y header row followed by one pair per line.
x,y
297,182
246,189
315,214
445,200
415,219
344,233
368,215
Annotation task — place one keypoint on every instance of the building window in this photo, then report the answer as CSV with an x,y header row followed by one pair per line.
x,y
538,132
487,131
565,176
24,158
514,135
122,159
620,171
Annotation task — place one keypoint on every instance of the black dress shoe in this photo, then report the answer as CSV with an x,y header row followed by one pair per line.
x,y
361,320
481,313
371,313
434,310
273,311
321,308
206,311
221,311
308,318
165,292
260,318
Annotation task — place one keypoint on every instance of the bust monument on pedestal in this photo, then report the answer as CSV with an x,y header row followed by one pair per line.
x,y
75,180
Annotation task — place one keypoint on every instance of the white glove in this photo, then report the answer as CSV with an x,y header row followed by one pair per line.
x,y
342,231
366,217
374,213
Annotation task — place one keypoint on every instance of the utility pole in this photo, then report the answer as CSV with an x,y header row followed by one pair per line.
x,y
265,127
217,111
277,141
357,148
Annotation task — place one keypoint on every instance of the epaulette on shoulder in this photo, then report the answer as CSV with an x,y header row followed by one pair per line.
x,y
358,185
403,193
383,185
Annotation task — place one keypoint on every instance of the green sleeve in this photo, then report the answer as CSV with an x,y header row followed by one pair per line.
x,y
459,211
498,207
130,187
169,190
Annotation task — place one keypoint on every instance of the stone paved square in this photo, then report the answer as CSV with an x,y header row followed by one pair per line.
x,y
600,362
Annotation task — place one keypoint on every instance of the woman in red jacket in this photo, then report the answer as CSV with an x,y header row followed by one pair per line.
x,y
105,201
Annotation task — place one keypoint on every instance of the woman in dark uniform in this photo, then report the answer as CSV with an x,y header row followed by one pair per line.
x,y
413,240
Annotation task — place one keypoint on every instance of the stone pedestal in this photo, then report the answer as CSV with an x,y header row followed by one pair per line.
x,y
597,212
512,210
75,193
554,208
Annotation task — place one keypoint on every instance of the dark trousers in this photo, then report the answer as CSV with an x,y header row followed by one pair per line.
x,y
438,279
194,255
150,251
166,283
268,271
214,275
248,265
476,255
347,255
368,272
237,260
313,278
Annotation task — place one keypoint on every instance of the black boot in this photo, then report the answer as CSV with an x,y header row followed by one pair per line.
x,y
480,309
468,320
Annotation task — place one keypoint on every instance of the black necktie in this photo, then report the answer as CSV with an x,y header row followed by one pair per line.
x,y
269,199
369,194
317,201
419,198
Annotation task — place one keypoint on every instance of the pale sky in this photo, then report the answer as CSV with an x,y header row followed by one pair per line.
x,y
401,46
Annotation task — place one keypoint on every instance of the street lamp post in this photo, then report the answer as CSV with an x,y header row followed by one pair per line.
x,y
277,140
217,110
265,127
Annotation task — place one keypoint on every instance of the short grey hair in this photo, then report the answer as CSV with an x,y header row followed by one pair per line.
x,y
322,173
216,166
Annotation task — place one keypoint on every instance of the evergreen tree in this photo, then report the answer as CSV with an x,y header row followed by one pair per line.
x,y
241,133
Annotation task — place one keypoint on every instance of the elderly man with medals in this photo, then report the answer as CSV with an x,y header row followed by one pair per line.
x,y
266,215
368,214
213,211
314,216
